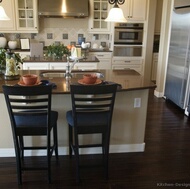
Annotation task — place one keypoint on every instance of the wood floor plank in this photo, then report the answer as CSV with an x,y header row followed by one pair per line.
x,y
164,164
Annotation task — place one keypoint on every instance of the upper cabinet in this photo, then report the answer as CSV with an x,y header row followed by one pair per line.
x,y
98,13
135,10
23,16
26,15
9,7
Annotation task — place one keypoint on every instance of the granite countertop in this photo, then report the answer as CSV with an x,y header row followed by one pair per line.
x,y
50,59
127,79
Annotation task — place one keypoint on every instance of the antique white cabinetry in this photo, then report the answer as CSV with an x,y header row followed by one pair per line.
x,y
23,16
35,66
98,13
57,66
128,64
105,59
135,10
8,25
26,15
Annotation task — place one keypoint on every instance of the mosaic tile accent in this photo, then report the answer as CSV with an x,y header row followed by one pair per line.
x,y
49,36
80,35
65,36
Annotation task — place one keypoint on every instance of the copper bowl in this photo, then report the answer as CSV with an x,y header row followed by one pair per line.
x,y
89,78
29,79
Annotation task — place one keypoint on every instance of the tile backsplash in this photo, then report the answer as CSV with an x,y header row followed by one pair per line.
x,y
62,31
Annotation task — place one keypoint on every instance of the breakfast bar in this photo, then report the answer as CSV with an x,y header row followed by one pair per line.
x,y
129,117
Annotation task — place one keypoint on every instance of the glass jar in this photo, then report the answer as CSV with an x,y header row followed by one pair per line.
x,y
11,68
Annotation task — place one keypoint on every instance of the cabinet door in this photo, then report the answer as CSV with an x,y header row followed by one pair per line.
x,y
86,66
123,64
35,66
26,16
138,9
58,66
135,10
8,25
104,58
98,13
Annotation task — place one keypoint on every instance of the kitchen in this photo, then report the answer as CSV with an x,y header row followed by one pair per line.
x,y
50,21
57,30
50,28
160,66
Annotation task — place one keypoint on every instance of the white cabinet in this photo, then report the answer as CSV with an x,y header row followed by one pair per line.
x,y
27,16
135,10
58,66
8,25
23,16
128,64
105,59
98,13
86,66
35,66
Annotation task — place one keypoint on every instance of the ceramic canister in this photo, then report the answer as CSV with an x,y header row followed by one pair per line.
x,y
12,44
3,42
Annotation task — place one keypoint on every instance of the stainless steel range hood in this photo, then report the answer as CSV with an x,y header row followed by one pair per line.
x,y
63,8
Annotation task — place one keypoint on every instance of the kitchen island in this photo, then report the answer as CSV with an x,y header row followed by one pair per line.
x,y
49,63
129,117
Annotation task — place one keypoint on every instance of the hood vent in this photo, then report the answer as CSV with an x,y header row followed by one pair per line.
x,y
63,8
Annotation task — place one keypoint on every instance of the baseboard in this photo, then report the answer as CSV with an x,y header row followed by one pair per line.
x,y
158,94
10,152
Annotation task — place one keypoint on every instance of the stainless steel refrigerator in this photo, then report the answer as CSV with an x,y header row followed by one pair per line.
x,y
177,86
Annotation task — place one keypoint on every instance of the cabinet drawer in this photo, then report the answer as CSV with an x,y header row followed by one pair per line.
x,y
101,55
126,62
58,66
137,68
86,66
35,66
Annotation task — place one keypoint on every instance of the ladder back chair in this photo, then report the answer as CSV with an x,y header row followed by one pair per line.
x,y
30,114
92,109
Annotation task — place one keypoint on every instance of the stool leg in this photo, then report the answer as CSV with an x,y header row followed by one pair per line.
x,y
70,141
55,141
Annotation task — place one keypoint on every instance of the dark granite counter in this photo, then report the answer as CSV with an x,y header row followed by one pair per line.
x,y
50,59
128,79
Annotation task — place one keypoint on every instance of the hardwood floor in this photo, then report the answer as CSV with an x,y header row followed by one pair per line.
x,y
164,164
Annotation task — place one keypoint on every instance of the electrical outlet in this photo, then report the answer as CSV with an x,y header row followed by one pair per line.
x,y
137,102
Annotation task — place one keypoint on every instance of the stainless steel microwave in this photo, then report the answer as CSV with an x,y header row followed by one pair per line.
x,y
128,33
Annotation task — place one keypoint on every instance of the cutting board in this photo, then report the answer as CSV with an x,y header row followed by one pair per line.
x,y
36,50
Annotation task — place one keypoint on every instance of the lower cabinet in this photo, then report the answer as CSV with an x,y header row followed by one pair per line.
x,y
105,59
127,64
35,66
57,66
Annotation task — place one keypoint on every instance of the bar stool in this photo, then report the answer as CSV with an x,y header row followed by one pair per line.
x,y
30,114
92,109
